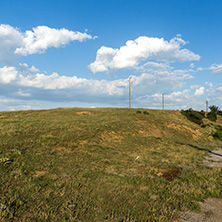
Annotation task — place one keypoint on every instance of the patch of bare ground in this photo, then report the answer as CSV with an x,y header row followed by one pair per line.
x,y
211,212
214,159
211,209
108,136
39,173
185,129
84,113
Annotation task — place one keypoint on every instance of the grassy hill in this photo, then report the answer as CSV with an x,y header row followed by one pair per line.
x,y
104,165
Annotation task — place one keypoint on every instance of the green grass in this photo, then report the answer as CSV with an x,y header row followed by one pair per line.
x,y
103,165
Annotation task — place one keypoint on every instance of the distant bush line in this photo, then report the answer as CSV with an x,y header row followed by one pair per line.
x,y
198,116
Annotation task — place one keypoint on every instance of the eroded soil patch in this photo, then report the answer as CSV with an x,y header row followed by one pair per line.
x,y
84,113
214,159
211,212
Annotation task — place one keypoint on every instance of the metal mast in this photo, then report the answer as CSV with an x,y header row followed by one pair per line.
x,y
130,92
162,101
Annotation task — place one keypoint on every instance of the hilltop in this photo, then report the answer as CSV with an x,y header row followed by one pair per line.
x,y
104,164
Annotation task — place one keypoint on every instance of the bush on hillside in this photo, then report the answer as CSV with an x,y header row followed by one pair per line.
x,y
146,113
218,133
219,113
138,112
214,109
194,116
202,113
212,116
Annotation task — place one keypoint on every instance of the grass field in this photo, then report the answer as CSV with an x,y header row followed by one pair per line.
x,y
104,165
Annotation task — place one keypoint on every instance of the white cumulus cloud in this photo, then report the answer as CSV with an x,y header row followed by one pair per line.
x,y
43,37
139,50
8,74
199,91
10,39
14,43
31,84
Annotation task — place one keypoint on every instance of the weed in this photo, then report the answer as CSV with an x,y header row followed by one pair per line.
x,y
146,113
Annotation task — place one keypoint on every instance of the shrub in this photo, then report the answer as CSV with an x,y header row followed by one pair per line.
x,y
146,113
214,109
212,116
202,113
138,111
219,113
193,116
218,135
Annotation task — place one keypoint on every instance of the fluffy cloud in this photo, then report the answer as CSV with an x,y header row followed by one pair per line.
x,y
14,43
199,91
28,83
10,39
8,74
217,69
43,37
139,50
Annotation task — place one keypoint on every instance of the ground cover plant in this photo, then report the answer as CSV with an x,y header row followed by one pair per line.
x,y
104,165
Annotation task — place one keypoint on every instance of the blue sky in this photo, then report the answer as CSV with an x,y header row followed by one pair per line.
x,y
81,53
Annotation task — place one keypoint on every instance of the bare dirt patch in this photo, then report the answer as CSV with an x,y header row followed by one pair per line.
x,y
211,212
151,132
108,136
39,173
185,129
84,113
172,173
214,159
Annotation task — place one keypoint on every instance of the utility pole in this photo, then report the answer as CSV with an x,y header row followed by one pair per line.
x,y
162,101
130,92
206,105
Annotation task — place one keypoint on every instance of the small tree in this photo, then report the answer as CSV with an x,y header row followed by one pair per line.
x,y
214,109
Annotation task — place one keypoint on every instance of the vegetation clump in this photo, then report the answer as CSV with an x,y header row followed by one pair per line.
x,y
214,109
197,117
212,116
146,113
218,133
219,113
194,116
138,112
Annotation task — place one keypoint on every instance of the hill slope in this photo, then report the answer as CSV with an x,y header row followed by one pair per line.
x,y
103,165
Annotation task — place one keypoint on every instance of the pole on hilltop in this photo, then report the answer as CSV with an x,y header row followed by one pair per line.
x,y
130,92
206,105
162,101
